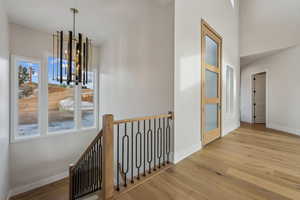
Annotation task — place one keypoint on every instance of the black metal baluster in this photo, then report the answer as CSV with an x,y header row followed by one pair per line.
x,y
101,162
154,145
144,148
138,164
118,160
125,138
169,141
88,171
79,179
75,182
84,174
164,141
149,157
92,169
159,143
96,165
132,142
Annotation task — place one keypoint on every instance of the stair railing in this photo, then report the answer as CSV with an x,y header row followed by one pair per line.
x,y
85,176
142,147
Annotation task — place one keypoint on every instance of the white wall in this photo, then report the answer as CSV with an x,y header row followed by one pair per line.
x,y
136,79
283,110
224,19
266,25
39,161
4,102
137,66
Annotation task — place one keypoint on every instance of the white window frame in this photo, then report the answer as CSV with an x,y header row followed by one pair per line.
x,y
14,98
43,100
230,98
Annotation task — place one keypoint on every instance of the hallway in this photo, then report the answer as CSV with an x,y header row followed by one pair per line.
x,y
250,163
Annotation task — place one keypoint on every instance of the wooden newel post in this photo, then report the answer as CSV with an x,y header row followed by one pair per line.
x,y
108,156
171,113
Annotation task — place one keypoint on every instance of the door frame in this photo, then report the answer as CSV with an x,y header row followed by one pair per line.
x,y
267,95
214,35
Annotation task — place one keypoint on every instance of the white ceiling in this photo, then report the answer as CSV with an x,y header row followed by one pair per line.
x,y
266,25
97,18
246,60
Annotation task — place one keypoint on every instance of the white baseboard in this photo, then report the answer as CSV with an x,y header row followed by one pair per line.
x,y
37,184
187,152
284,129
228,130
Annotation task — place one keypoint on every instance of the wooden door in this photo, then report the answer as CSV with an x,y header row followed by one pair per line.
x,y
211,60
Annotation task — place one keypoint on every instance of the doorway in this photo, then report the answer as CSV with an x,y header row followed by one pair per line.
x,y
211,61
259,98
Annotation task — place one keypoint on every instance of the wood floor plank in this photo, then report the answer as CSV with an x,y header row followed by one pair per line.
x,y
251,163
279,189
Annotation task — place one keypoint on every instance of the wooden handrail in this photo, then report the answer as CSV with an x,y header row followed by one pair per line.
x,y
170,115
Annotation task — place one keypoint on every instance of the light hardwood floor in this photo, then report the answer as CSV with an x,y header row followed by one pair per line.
x,y
250,163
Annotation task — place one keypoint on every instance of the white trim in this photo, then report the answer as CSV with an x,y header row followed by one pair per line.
x,y
56,134
43,99
14,94
186,153
267,94
37,184
284,129
228,130
231,112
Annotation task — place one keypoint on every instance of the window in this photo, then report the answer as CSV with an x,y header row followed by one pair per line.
x,y
61,101
88,103
69,108
229,89
26,91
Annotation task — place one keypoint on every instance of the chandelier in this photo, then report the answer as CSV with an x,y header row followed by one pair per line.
x,y
73,56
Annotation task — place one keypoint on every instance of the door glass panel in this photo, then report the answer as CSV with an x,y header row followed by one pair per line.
x,y
211,117
28,89
211,86
211,52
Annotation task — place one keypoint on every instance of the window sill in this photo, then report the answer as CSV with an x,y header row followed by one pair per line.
x,y
54,134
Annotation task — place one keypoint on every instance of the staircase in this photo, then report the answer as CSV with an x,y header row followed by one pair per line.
x,y
124,154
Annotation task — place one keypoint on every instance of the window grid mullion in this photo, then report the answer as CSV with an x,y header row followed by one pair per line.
x,y
43,97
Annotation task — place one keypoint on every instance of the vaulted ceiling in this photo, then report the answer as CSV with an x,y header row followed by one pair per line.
x,y
268,25
97,18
